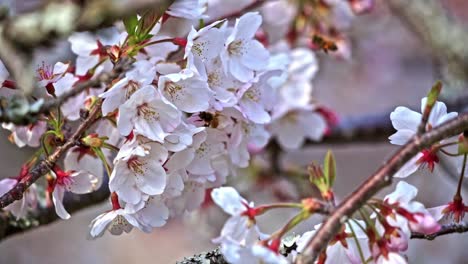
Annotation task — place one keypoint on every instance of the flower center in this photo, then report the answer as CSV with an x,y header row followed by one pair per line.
x,y
132,87
147,112
136,165
429,158
235,48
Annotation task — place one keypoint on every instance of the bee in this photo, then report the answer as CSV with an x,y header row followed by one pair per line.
x,y
324,44
209,119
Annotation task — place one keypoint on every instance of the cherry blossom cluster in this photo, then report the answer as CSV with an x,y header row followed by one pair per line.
x,y
205,93
196,103
381,235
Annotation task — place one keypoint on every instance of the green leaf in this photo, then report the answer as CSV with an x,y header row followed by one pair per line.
x,y
329,168
433,94
148,20
131,23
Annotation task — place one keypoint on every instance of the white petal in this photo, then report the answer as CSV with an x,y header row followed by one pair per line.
x,y
239,71
100,224
401,137
228,199
404,193
57,198
255,56
84,182
409,168
404,118
247,25
153,181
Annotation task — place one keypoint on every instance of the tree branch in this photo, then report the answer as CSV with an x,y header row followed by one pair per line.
x,y
9,225
20,35
9,116
444,36
445,230
60,19
376,127
380,179
46,164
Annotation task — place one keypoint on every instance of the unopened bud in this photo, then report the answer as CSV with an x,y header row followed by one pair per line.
x,y
93,140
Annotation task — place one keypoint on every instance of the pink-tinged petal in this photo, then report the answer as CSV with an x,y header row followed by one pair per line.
x,y
437,212
405,118
229,200
57,198
409,168
426,224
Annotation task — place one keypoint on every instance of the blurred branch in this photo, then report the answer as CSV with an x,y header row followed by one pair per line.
x,y
10,226
380,179
376,127
445,230
446,37
20,35
60,19
9,116
249,7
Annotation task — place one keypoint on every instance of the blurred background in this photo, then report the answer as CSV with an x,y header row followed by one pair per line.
x,y
390,66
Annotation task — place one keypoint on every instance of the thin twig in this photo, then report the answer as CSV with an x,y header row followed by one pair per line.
x,y
10,226
46,164
103,78
380,179
445,230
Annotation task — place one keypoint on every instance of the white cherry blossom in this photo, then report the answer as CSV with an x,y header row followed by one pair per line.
x,y
148,114
79,182
138,171
243,55
293,127
189,9
140,76
26,135
186,91
406,122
